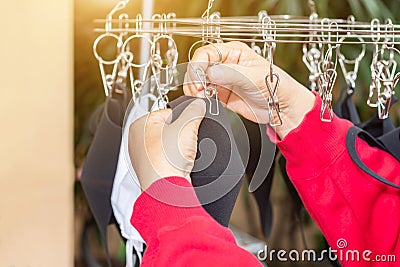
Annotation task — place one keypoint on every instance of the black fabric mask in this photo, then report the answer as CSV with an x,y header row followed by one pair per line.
x,y
101,161
377,127
351,137
346,107
391,142
216,182
260,167
100,166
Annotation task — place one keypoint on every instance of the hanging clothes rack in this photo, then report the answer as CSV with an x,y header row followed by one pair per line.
x,y
288,29
321,38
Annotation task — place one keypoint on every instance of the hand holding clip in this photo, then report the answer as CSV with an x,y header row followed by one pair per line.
x,y
242,87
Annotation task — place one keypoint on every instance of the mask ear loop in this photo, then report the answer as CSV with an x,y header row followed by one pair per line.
x,y
210,92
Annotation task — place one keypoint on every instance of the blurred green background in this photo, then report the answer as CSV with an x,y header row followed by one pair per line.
x,y
89,89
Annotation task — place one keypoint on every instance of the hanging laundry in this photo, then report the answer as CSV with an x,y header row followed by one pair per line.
x,y
258,155
218,169
101,163
126,187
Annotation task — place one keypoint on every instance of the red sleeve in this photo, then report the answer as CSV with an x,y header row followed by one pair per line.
x,y
179,232
346,203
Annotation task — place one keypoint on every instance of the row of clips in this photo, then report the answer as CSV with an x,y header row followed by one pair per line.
x,y
322,39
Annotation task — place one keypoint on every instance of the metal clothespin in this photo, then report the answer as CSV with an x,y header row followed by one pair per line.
x,y
312,54
210,91
385,72
272,79
163,64
136,84
350,67
375,86
326,82
328,75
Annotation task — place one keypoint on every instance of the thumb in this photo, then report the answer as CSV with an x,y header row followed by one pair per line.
x,y
162,116
189,120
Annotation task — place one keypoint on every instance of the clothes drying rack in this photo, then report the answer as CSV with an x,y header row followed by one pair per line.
x,y
322,39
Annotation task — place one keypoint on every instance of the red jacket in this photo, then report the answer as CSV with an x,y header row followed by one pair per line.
x,y
354,211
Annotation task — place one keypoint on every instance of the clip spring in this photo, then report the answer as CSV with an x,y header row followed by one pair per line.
x,y
273,101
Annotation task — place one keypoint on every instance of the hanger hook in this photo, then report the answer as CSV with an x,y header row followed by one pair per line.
x,y
139,23
120,5
206,13
215,28
389,33
312,6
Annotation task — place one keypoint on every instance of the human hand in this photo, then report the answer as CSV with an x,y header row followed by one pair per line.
x,y
240,79
159,148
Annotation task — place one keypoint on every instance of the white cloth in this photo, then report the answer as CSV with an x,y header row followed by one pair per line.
x,y
126,188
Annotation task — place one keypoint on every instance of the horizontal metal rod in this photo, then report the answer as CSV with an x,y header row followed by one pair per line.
x,y
244,19
248,34
239,29
283,23
260,40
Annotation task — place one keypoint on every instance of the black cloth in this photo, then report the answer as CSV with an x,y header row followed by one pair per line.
x,y
391,142
351,137
100,165
377,132
346,107
258,154
218,169
377,127
297,202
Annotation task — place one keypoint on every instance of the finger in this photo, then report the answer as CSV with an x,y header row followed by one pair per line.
x,y
186,128
228,75
190,89
229,53
137,125
212,54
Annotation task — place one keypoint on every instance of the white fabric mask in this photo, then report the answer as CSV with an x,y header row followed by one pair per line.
x,y
126,188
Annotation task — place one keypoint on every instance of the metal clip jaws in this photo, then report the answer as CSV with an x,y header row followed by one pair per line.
x,y
273,101
210,91
209,94
326,82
